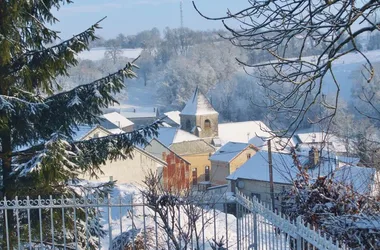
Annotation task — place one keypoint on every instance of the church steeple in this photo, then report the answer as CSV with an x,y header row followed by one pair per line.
x,y
199,117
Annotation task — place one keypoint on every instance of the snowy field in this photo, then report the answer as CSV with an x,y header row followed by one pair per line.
x,y
98,54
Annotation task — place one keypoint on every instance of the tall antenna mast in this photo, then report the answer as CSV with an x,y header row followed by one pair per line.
x,y
181,12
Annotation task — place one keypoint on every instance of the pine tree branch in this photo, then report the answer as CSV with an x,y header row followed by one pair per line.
x,y
126,71
83,156
51,61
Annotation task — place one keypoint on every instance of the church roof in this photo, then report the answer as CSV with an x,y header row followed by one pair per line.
x,y
198,105
170,135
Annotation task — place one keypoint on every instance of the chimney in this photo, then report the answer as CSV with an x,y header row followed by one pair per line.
x,y
313,157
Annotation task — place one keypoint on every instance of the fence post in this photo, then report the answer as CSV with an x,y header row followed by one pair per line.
x,y
237,226
255,243
299,238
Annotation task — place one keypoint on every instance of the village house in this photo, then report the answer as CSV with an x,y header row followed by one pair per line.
x,y
252,178
131,170
114,120
228,158
197,153
176,176
322,140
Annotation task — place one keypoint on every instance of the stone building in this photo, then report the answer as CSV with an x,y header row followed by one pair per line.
x,y
199,117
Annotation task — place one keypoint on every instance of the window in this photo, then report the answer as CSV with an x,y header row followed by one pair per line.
x,y
207,124
207,173
194,176
248,156
258,196
188,125
96,135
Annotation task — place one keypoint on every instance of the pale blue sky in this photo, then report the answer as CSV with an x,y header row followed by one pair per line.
x,y
131,16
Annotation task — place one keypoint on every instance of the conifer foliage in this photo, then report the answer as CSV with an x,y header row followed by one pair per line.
x,y
37,124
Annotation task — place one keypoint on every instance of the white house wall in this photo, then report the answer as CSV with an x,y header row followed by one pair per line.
x,y
129,170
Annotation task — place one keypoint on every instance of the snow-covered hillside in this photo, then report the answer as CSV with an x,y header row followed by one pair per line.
x,y
346,71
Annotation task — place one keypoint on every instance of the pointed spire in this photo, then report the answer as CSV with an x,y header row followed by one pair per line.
x,y
198,105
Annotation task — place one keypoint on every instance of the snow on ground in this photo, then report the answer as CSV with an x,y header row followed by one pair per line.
x,y
121,223
121,220
98,53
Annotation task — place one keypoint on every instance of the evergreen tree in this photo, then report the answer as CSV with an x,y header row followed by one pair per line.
x,y
38,154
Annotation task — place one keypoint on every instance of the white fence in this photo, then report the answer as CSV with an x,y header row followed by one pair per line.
x,y
168,223
283,233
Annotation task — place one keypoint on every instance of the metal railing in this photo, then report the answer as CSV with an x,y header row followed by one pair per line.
x,y
130,222
283,233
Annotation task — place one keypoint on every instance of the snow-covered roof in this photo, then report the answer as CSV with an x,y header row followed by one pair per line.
x,y
284,171
117,119
361,179
116,131
338,145
143,151
257,168
198,105
279,145
167,148
82,131
229,151
315,137
140,112
170,135
242,131
174,116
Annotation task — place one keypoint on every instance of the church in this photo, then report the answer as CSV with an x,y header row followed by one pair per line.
x,y
199,118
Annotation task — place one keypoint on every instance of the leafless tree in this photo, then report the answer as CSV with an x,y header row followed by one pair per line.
x,y
170,206
113,52
285,30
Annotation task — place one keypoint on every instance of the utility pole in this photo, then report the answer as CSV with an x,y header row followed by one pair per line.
x,y
271,173
181,12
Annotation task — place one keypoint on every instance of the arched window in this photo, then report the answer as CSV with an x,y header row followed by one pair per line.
x,y
207,173
207,124
188,125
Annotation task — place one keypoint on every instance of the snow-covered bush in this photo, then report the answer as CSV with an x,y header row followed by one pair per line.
x,y
335,209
